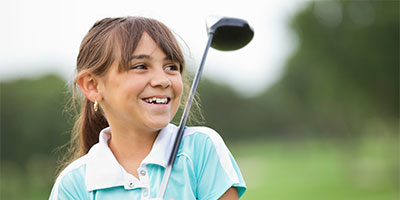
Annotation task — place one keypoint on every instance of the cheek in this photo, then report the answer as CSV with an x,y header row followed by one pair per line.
x,y
133,86
104,90
178,87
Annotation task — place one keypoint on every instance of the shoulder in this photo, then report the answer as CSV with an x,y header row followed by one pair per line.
x,y
204,134
71,180
213,164
76,168
200,129
205,141
206,145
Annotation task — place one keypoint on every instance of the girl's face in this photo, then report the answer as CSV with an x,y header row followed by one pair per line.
x,y
146,96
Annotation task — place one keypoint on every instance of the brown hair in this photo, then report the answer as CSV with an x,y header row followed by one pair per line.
x,y
108,40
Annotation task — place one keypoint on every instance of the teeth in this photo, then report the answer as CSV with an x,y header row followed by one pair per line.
x,y
157,100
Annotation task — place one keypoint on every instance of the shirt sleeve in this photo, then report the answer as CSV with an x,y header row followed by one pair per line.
x,y
216,168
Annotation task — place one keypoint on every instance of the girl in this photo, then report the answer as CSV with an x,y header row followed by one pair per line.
x,y
130,71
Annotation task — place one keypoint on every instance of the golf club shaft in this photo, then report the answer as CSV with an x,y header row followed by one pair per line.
x,y
184,118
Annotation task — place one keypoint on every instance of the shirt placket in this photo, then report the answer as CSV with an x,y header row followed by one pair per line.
x,y
144,180
131,182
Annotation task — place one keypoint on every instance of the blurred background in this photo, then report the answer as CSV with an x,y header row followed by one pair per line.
x,y
310,109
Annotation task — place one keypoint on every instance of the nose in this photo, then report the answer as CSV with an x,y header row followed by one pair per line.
x,y
160,79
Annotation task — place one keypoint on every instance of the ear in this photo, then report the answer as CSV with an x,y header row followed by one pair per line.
x,y
88,83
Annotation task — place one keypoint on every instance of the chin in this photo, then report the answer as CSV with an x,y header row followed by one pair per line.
x,y
159,124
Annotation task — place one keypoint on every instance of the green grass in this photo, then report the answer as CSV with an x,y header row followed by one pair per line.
x,y
321,170
364,169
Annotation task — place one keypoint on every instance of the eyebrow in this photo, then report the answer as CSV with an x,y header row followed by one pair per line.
x,y
144,56
141,56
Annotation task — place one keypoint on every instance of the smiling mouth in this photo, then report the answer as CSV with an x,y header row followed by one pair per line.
x,y
157,100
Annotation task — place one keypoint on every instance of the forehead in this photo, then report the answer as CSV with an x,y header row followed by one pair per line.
x,y
142,41
148,47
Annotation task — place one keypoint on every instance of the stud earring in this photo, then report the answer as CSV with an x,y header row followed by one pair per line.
x,y
96,106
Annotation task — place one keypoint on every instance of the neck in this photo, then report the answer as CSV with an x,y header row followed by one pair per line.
x,y
131,145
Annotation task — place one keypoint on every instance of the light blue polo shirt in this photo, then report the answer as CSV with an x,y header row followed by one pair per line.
x,y
204,169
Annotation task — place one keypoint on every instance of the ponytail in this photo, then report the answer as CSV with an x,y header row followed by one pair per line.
x,y
92,122
85,132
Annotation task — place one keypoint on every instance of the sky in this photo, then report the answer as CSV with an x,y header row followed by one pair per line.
x,y
43,36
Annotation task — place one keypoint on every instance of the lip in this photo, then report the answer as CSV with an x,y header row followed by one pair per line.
x,y
157,96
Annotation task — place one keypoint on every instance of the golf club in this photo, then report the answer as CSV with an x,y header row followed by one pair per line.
x,y
226,34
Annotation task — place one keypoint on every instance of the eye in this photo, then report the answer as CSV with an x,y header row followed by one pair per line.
x,y
139,66
172,67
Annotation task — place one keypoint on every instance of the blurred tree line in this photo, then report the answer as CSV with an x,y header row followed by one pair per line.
x,y
32,119
342,82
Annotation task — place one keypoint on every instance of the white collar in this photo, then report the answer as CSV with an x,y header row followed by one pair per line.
x,y
103,169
